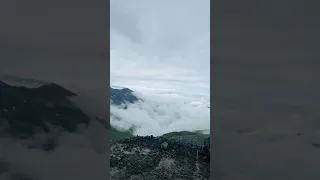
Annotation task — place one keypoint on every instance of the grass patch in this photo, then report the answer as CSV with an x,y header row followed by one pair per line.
x,y
118,135
180,133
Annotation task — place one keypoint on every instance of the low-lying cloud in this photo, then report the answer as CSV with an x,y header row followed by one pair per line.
x,y
80,156
157,114
158,111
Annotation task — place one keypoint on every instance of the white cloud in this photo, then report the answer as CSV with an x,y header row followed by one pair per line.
x,y
162,113
161,44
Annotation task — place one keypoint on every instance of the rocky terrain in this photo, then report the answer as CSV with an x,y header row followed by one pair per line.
x,y
158,158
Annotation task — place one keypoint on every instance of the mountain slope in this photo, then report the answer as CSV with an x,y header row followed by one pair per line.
x,y
25,111
122,96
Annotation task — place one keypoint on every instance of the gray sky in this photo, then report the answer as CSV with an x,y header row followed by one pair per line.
x,y
43,40
266,82
267,51
161,45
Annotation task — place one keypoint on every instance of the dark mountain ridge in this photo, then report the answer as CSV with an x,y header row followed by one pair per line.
x,y
122,96
28,110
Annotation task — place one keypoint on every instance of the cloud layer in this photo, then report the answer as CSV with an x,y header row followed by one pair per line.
x,y
162,113
160,45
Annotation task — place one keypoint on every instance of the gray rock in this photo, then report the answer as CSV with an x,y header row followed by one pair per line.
x,y
164,145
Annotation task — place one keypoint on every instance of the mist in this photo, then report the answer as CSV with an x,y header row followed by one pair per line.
x,y
80,156
157,114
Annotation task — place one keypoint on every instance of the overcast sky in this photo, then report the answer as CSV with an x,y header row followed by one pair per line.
x,y
46,41
266,82
160,45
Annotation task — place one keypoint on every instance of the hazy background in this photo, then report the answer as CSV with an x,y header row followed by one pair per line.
x,y
59,41
265,90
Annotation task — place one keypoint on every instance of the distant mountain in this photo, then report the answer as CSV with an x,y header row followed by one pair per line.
x,y
122,96
116,87
25,111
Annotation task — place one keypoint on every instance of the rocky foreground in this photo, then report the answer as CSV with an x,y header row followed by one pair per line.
x,y
158,158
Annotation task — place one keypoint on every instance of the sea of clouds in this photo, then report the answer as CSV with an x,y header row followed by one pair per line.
x,y
160,113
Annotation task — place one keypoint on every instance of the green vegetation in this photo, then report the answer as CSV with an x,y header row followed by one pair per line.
x,y
180,133
118,135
